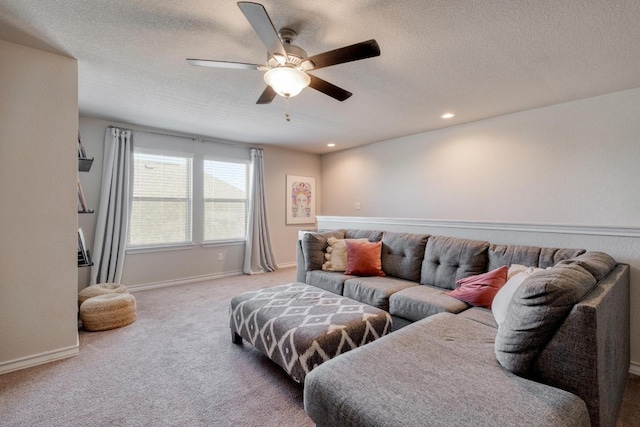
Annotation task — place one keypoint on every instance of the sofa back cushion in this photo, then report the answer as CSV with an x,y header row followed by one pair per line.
x,y
314,246
531,256
402,255
371,235
535,312
448,259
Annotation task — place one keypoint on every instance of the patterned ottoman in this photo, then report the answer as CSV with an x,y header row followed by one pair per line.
x,y
300,326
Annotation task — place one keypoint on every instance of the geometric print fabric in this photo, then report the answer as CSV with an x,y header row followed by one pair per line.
x,y
300,326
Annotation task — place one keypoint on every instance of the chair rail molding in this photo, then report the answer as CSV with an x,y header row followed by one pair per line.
x,y
593,230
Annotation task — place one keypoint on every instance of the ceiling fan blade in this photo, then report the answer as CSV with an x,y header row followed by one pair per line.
x,y
354,52
267,96
261,23
328,88
223,64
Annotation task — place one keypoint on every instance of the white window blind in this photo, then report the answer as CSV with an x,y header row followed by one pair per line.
x,y
162,199
225,200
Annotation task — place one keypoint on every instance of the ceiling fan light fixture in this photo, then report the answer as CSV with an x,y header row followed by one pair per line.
x,y
287,81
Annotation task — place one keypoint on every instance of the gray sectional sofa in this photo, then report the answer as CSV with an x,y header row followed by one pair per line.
x,y
560,358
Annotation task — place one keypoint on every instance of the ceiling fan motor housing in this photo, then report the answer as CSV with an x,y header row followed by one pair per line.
x,y
295,56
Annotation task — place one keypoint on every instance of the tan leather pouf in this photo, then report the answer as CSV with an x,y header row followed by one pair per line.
x,y
108,311
100,289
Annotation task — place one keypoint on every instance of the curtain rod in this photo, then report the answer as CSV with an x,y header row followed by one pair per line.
x,y
193,138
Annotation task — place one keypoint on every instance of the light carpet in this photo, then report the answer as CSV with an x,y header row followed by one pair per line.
x,y
175,366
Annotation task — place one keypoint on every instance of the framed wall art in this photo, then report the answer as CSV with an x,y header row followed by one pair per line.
x,y
301,200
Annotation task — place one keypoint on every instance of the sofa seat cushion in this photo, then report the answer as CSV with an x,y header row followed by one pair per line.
x,y
374,291
331,281
480,315
417,302
440,371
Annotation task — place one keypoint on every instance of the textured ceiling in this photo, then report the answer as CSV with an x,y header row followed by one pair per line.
x,y
476,58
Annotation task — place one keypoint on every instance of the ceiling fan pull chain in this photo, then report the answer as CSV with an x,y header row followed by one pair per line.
x,y
286,114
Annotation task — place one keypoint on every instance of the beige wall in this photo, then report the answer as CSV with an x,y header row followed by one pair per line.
x,y
279,163
179,265
38,219
569,164
573,163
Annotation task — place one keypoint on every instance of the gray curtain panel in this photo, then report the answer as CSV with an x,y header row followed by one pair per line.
x,y
115,203
258,257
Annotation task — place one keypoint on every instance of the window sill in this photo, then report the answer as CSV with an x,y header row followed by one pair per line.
x,y
218,243
146,249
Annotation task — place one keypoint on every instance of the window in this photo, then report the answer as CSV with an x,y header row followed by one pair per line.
x,y
225,200
161,209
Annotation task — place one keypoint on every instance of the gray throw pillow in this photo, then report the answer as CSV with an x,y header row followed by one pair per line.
x,y
535,312
598,264
314,246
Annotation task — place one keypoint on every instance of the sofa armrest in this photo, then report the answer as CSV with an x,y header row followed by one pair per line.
x,y
589,354
301,271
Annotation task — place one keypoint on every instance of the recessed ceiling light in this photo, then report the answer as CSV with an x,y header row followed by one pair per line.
x,y
448,115
331,145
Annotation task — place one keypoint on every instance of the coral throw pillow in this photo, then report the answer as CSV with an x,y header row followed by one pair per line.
x,y
480,290
364,258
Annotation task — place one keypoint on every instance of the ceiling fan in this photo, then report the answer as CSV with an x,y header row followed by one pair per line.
x,y
287,67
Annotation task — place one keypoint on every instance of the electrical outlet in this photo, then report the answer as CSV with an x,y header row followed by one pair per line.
x,y
220,256
357,205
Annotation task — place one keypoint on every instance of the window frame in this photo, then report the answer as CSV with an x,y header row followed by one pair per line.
x,y
159,247
221,242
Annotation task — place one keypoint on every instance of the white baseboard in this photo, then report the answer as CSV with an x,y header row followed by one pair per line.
x,y
39,359
287,264
195,279
185,281
634,369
